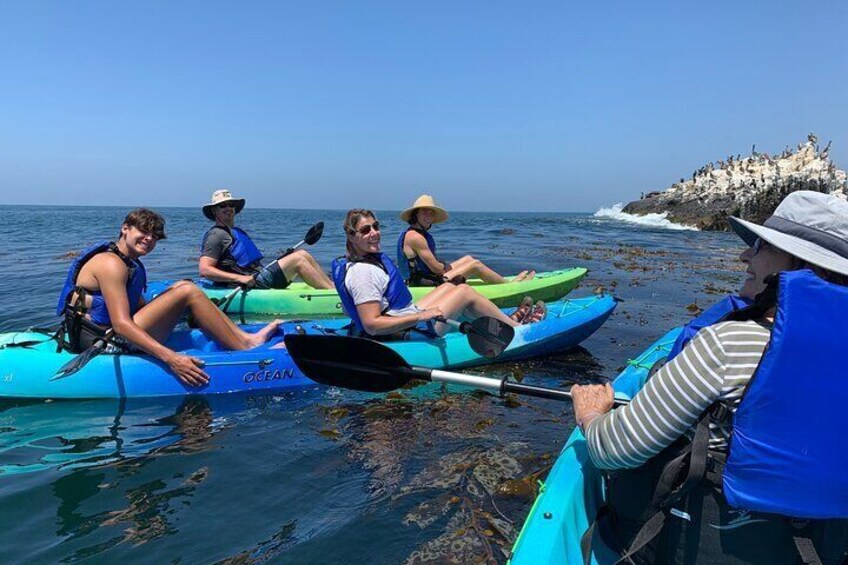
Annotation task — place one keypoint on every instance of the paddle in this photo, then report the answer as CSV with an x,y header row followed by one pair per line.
x,y
486,336
312,236
370,366
83,358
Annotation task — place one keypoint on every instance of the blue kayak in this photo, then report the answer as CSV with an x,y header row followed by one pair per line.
x,y
28,360
573,491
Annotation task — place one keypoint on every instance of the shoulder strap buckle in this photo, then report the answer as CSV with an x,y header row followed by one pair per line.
x,y
719,412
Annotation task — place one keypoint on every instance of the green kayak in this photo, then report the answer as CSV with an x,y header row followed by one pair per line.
x,y
573,490
302,301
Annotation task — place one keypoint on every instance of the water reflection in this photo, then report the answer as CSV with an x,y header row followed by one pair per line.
x,y
72,435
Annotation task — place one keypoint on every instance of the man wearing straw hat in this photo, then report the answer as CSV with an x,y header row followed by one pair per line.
x,y
229,256
416,251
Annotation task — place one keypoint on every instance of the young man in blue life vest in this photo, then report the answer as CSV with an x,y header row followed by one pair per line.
x,y
416,251
229,256
104,289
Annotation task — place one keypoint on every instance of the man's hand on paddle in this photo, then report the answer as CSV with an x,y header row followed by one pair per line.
x,y
187,369
247,281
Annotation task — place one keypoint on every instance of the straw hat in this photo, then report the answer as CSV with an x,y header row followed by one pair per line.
x,y
219,197
809,225
425,201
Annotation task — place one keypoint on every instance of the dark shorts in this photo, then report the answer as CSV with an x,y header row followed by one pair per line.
x,y
89,335
272,277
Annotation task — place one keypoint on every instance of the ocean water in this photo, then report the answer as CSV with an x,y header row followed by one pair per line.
x,y
320,475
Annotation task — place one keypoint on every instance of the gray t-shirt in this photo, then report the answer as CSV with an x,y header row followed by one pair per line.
x,y
215,244
217,241
367,283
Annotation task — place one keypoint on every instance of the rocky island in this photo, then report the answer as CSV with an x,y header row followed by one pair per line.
x,y
748,187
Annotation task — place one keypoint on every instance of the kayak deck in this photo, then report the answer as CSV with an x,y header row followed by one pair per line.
x,y
300,299
573,490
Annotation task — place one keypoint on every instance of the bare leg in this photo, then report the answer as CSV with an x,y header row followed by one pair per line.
x,y
435,296
464,300
159,317
302,264
469,267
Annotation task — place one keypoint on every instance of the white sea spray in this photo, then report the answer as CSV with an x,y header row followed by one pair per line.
x,y
655,220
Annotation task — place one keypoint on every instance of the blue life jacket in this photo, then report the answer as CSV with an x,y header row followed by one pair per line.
x,y
396,291
242,252
99,314
712,315
789,448
412,267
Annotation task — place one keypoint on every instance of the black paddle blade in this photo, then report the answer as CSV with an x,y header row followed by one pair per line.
x,y
314,234
489,337
79,361
350,362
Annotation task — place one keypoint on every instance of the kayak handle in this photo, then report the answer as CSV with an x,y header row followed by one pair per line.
x,y
262,363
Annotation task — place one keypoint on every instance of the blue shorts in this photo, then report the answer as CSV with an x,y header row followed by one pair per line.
x,y
272,277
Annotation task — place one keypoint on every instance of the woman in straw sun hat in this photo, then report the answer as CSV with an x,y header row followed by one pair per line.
x,y
416,250
228,254
751,412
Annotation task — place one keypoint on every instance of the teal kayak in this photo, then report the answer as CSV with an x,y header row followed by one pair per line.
x,y
573,490
28,360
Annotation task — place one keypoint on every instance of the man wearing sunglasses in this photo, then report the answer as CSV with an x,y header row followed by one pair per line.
x,y
229,256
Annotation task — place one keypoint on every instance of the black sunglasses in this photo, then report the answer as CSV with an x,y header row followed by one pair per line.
x,y
366,229
227,205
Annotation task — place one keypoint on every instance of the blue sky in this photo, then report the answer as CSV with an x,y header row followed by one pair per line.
x,y
558,106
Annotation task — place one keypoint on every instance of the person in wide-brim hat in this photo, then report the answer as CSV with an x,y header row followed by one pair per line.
x,y
778,362
220,197
425,201
810,226
229,256
417,257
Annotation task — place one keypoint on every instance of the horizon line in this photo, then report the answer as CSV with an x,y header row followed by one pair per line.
x,y
305,209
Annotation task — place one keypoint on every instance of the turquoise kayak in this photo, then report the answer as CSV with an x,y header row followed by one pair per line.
x,y
573,491
28,360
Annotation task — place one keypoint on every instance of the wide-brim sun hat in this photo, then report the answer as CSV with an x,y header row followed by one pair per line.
x,y
809,225
425,201
219,197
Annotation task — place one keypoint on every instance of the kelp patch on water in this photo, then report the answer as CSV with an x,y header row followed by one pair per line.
x,y
441,456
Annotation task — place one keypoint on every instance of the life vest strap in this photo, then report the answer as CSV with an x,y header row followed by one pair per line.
x,y
691,460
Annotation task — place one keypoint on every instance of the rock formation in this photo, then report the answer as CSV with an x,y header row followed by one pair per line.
x,y
748,187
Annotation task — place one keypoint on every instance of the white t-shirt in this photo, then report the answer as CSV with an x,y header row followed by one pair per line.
x,y
368,283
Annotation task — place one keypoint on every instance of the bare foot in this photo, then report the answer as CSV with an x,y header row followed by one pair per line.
x,y
264,334
530,275
520,277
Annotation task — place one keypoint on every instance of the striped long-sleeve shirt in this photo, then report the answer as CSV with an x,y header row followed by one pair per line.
x,y
716,365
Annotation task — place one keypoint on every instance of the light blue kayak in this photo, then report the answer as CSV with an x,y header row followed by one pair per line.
x,y
28,360
573,491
